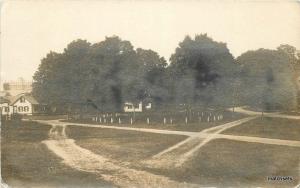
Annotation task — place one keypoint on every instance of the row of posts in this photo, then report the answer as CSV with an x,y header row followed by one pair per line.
x,y
165,120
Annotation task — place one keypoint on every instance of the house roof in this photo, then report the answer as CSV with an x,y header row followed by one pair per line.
x,y
28,97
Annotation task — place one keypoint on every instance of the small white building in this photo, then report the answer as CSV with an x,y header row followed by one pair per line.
x,y
23,104
130,107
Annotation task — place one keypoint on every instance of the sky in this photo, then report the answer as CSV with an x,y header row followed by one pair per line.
x,y
31,29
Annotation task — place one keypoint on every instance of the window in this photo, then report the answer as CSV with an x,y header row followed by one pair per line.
x,y
22,99
6,109
129,106
20,108
26,109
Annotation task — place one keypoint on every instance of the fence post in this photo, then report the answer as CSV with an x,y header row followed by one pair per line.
x,y
207,118
171,120
214,118
148,121
100,119
119,120
111,120
104,120
165,120
186,120
131,120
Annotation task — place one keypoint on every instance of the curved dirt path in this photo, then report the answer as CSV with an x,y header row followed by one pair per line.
x,y
270,141
179,153
85,160
275,115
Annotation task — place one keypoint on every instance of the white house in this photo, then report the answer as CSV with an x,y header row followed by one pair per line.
x,y
23,104
130,107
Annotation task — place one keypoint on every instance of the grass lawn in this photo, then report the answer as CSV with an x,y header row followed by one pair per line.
x,y
220,163
45,117
292,113
268,128
180,126
26,162
225,163
120,144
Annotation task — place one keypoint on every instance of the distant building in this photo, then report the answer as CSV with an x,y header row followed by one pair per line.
x,y
23,104
14,88
130,107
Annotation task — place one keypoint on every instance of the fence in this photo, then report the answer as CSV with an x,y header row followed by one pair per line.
x,y
150,118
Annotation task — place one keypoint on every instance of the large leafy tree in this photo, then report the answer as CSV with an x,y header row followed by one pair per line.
x,y
58,81
267,79
203,71
294,61
110,75
152,74
104,75
291,52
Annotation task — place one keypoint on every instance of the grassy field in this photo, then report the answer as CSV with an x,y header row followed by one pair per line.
x,y
269,128
220,163
120,144
26,162
225,163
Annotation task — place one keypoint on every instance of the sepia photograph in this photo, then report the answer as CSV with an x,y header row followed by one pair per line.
x,y
150,93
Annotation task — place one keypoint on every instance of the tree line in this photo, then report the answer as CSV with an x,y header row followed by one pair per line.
x,y
201,73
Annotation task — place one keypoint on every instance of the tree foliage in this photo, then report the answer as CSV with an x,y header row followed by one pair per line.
x,y
267,79
201,73
105,74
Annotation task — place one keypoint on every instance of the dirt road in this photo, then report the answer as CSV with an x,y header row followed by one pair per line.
x,y
84,160
123,176
275,115
176,155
